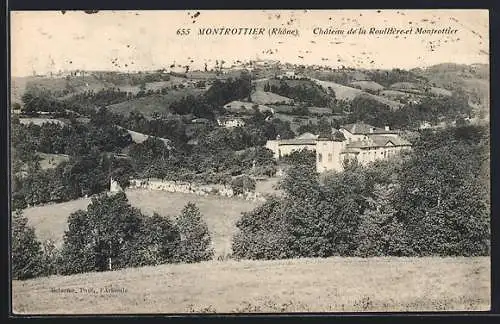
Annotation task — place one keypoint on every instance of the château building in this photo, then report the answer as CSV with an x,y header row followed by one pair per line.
x,y
361,142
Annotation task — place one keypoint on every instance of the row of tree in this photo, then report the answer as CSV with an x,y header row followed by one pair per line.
x,y
73,139
79,176
110,235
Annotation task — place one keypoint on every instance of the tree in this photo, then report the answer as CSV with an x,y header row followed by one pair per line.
x,y
26,251
51,258
324,128
195,243
156,243
263,233
97,239
242,184
380,232
443,199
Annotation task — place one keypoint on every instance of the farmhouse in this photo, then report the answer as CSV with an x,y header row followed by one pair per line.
x,y
362,142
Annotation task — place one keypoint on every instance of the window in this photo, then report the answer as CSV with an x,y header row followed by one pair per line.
x,y
320,157
329,157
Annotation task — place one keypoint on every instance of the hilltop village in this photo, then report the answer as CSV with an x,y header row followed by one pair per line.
x,y
182,173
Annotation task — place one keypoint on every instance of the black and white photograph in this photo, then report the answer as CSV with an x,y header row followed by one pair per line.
x,y
249,161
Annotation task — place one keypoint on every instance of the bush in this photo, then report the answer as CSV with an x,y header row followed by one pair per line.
x,y
242,184
51,258
262,233
380,232
26,251
195,241
156,243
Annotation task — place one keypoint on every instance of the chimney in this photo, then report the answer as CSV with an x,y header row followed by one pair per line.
x,y
387,128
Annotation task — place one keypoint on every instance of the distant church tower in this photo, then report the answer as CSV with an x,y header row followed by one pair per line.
x,y
114,186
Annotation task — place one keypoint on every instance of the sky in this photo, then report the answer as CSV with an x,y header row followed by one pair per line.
x,y
50,41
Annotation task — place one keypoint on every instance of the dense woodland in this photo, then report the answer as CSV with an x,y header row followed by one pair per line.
x,y
431,201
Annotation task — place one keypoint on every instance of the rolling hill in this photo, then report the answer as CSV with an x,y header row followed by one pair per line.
x,y
473,79
349,94
366,85
269,98
392,104
153,103
17,88
341,92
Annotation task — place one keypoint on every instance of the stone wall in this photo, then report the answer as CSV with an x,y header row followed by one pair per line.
x,y
191,188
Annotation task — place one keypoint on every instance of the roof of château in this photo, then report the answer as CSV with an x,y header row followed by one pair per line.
x,y
381,140
308,136
374,141
298,141
362,128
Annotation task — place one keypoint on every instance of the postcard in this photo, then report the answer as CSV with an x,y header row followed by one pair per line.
x,y
250,161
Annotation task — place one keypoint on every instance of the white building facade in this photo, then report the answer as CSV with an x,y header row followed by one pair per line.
x,y
363,143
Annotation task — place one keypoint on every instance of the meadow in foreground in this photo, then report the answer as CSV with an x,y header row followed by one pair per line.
x,y
300,285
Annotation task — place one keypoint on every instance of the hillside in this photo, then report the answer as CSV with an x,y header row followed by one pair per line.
x,y
341,92
366,85
49,161
153,103
299,285
269,98
18,87
472,79
390,103
405,86
243,106
347,93
221,214
72,84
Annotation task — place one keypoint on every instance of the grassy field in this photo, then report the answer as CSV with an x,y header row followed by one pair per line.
x,y
321,285
341,92
269,98
347,93
221,214
49,161
367,85
153,103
